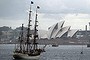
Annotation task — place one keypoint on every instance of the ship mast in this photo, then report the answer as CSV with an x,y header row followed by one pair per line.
x,y
28,30
21,38
35,30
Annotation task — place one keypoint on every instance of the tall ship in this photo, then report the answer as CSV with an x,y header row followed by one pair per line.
x,y
28,48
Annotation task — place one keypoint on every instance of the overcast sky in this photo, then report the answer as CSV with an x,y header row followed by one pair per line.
x,y
75,13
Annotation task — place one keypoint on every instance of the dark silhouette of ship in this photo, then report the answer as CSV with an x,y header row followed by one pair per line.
x,y
29,49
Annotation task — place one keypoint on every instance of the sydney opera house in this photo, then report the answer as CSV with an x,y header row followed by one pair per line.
x,y
58,31
61,34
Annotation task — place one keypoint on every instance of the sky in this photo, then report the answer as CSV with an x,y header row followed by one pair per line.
x,y
75,13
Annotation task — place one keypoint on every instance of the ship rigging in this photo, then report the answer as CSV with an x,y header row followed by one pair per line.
x,y
28,49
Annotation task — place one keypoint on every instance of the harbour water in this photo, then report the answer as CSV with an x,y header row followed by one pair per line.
x,y
62,52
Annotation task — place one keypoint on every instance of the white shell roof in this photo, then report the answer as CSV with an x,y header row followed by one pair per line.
x,y
57,30
60,25
62,31
50,31
71,33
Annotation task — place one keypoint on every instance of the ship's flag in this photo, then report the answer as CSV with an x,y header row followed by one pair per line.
x,y
31,2
38,7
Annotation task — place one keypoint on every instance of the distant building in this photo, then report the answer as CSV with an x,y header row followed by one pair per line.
x,y
83,34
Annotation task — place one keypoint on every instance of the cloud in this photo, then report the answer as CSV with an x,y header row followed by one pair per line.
x,y
77,21
12,9
17,9
64,6
12,23
77,16
54,16
51,11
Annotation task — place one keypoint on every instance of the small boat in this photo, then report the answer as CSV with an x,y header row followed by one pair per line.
x,y
81,52
88,45
28,49
55,45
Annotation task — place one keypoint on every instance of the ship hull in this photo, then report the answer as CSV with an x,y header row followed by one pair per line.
x,y
25,56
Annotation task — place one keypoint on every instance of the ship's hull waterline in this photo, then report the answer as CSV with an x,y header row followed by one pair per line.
x,y
25,56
